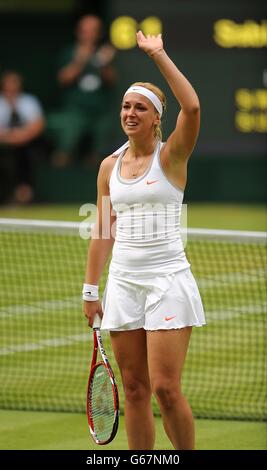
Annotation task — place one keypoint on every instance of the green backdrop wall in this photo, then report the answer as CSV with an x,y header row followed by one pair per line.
x,y
221,180
227,165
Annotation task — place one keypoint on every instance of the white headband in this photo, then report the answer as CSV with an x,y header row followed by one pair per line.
x,y
148,94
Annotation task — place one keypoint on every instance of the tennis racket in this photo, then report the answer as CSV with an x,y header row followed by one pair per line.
x,y
102,394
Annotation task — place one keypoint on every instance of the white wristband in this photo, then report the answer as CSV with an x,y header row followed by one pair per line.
x,y
90,292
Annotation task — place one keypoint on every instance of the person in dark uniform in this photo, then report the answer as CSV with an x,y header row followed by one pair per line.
x,y
86,77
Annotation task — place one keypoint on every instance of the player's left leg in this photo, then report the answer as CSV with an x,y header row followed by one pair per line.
x,y
166,351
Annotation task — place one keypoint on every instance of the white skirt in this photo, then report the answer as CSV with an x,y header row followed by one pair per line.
x,y
162,302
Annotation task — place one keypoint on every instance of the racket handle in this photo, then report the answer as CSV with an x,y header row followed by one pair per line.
x,y
97,321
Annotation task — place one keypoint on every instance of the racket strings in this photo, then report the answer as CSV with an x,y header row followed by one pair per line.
x,y
101,402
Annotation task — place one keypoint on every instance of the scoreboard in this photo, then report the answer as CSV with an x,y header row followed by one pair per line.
x,y
220,46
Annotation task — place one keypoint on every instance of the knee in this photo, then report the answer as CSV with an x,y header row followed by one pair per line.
x,y
166,394
136,391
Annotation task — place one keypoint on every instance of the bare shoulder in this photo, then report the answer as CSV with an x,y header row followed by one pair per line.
x,y
106,168
108,162
107,165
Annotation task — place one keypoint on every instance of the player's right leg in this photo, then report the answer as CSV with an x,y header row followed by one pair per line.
x,y
131,354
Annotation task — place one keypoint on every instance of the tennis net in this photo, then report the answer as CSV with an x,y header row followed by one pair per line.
x,y
46,346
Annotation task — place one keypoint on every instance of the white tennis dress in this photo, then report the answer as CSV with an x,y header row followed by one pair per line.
x,y
150,284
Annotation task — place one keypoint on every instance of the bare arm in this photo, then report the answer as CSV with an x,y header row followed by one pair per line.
x,y
101,243
70,72
22,135
181,142
67,75
98,254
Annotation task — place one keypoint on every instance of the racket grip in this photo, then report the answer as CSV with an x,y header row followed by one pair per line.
x,y
97,321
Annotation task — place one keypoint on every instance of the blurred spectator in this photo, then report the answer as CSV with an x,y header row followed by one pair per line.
x,y
21,123
86,77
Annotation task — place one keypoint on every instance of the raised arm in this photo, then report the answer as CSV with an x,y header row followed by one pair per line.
x,y
70,72
181,142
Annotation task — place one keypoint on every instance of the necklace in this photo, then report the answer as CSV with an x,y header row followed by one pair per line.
x,y
135,172
131,171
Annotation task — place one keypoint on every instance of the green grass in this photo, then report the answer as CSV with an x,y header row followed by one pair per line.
x,y
224,370
231,216
45,341
68,431
218,216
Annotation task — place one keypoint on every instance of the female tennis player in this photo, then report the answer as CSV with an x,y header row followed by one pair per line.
x,y
151,300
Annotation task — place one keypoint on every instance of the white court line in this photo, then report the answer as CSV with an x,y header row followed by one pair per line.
x,y
46,343
222,280
212,315
35,308
234,312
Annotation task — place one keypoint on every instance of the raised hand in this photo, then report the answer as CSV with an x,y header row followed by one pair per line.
x,y
149,44
83,53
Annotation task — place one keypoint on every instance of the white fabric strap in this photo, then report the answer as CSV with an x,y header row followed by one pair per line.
x,y
148,94
121,149
90,292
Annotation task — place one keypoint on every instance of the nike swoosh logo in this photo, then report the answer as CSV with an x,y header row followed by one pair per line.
x,y
169,318
151,182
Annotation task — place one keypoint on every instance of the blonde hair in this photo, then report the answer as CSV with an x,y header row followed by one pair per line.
x,y
161,97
